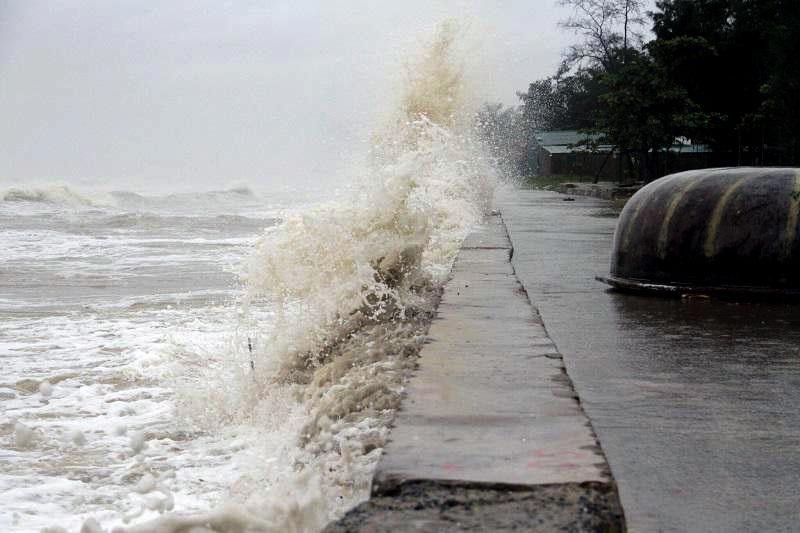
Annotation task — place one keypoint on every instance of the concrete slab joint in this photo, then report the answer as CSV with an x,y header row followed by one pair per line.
x,y
491,435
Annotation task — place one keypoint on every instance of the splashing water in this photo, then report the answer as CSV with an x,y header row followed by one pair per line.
x,y
337,301
354,285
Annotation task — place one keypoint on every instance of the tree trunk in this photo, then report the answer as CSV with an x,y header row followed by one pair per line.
x,y
625,34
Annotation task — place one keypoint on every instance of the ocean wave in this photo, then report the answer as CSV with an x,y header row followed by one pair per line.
x,y
234,192
54,194
190,203
354,285
338,300
65,195
177,223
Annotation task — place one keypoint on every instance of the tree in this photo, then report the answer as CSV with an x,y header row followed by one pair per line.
x,y
643,111
720,72
605,26
560,102
782,88
737,60
611,38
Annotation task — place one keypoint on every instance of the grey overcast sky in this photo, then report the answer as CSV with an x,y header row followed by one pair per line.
x,y
171,95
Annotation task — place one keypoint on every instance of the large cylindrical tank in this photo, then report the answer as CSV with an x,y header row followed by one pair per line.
x,y
726,230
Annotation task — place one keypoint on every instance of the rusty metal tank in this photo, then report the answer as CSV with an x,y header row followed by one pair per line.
x,y
725,231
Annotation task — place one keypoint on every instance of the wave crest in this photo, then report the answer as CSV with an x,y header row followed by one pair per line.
x,y
54,194
354,284
64,195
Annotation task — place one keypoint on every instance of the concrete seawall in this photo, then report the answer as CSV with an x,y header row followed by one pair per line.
x,y
491,435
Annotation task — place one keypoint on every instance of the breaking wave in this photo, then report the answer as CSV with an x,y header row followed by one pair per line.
x,y
64,195
356,282
350,288
196,200
54,194
126,220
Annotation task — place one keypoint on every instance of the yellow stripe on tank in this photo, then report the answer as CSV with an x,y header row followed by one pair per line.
x,y
710,247
626,237
663,233
791,217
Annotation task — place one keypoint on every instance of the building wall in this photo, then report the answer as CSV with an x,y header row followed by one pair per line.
x,y
544,161
608,167
585,164
577,163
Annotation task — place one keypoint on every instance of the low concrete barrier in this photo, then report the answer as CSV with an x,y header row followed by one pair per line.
x,y
491,435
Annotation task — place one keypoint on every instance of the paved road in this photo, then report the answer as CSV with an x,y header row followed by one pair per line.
x,y
696,403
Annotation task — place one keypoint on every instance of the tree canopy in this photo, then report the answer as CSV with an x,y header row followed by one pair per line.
x,y
738,61
723,73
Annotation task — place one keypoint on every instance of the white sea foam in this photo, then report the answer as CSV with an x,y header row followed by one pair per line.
x,y
45,389
353,284
24,437
159,417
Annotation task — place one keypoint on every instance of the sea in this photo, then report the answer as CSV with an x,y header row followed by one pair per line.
x,y
227,360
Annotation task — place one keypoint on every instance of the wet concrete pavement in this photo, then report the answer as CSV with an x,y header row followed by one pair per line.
x,y
696,403
460,420
490,436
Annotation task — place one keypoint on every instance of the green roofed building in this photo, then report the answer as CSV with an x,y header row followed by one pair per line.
x,y
569,152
